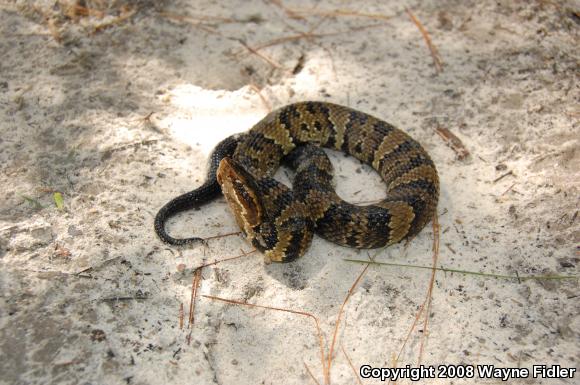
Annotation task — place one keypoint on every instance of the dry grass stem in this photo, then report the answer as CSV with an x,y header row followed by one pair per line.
x,y
181,316
265,58
427,302
257,90
194,287
316,322
198,23
244,254
292,14
431,283
339,13
508,189
74,11
307,36
510,172
222,235
434,53
351,365
337,325
311,375
126,13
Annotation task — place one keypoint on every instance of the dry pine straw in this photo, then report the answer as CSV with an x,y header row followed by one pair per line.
x,y
325,359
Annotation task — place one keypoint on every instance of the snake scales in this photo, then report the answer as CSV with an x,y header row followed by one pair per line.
x,y
279,221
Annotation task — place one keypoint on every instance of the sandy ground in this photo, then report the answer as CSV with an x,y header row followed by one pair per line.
x,y
117,106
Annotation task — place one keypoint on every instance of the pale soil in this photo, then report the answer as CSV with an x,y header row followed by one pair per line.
x,y
119,110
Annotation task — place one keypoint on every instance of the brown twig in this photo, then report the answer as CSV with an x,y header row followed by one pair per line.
x,y
510,172
292,14
61,251
434,53
508,189
226,259
272,62
299,66
450,248
73,11
100,265
308,35
285,39
196,22
119,299
453,142
67,363
51,22
255,88
54,29
351,365
341,12
311,375
147,118
199,18
417,317
181,316
316,322
126,13
222,235
122,147
427,303
340,312
195,284
325,361
431,283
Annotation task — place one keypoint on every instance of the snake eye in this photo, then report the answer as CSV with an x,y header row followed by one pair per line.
x,y
241,193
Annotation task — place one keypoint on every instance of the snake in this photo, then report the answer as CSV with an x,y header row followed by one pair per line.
x,y
280,221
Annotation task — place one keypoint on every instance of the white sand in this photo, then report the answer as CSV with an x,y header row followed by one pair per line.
x,y
72,119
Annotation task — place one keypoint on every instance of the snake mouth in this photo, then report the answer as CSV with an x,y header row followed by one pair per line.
x,y
241,192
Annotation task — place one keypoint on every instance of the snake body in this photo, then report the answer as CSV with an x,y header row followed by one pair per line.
x,y
280,221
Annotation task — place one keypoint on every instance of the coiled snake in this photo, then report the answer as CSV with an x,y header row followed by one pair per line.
x,y
280,221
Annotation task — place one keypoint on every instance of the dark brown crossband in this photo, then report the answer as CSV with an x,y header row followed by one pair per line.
x,y
280,221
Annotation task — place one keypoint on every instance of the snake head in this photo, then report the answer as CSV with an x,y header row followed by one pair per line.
x,y
280,239
242,194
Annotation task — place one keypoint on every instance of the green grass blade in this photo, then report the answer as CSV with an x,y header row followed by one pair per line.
x,y
491,275
58,200
32,201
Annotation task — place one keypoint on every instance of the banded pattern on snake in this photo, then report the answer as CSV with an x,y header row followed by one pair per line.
x,y
280,221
